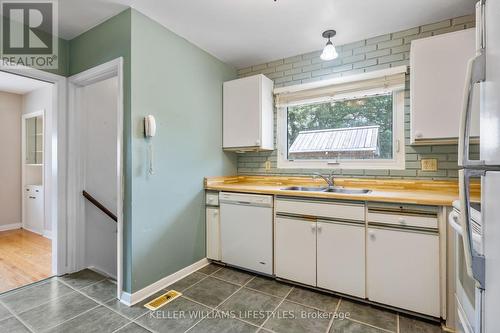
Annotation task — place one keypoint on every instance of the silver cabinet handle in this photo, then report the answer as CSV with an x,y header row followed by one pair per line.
x,y
476,73
371,235
473,260
313,227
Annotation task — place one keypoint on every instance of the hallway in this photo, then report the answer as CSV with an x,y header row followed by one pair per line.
x,y
25,257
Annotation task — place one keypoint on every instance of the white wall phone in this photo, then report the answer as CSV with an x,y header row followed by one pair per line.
x,y
150,132
149,126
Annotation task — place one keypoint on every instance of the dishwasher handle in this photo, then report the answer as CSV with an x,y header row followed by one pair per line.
x,y
241,203
244,203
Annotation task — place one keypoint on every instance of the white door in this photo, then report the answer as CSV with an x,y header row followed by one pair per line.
x,y
341,257
295,249
403,269
213,233
99,109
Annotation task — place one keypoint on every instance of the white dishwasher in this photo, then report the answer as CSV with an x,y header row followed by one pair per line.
x,y
246,228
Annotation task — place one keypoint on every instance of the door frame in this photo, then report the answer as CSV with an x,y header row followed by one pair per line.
x,y
113,68
55,167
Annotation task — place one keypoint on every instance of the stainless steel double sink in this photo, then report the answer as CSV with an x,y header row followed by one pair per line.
x,y
327,189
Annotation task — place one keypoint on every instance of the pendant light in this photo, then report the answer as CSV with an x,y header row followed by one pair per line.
x,y
329,52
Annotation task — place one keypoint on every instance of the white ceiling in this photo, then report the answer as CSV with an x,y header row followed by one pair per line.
x,y
248,32
17,84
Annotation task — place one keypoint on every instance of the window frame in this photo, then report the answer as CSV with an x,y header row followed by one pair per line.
x,y
398,161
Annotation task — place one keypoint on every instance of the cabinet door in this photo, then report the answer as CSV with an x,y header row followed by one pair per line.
x,y
295,250
341,257
33,209
438,70
403,269
242,113
213,233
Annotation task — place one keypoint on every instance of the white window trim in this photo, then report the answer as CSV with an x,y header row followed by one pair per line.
x,y
397,163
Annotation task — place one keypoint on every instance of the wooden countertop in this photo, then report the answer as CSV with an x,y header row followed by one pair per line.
x,y
421,192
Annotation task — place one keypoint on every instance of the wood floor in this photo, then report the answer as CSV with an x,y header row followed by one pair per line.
x,y
25,257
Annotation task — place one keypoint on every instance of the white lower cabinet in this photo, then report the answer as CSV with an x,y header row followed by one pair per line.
x,y
295,249
341,257
213,233
33,208
403,269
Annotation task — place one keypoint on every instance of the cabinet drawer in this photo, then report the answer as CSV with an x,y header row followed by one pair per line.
x,y
212,199
326,209
411,220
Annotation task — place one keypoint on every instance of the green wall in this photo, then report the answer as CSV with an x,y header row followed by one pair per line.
x,y
180,85
62,58
103,43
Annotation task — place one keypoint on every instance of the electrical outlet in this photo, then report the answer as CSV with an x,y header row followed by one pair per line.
x,y
429,164
267,165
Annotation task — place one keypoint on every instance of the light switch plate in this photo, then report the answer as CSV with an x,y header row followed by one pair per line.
x,y
267,165
429,164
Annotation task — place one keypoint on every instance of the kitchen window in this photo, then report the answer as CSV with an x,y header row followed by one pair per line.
x,y
349,125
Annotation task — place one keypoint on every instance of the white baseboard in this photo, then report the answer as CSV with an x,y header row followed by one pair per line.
x,y
12,226
131,299
33,230
47,234
102,272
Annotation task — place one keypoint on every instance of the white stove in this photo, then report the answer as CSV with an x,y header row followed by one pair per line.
x,y
468,293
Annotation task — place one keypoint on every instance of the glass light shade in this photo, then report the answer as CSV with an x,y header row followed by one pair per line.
x,y
329,52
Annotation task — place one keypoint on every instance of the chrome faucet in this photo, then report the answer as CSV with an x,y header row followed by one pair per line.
x,y
329,179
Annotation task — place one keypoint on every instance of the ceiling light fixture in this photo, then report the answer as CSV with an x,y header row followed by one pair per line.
x,y
329,52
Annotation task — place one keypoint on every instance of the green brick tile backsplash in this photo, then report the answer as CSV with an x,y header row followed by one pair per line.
x,y
375,53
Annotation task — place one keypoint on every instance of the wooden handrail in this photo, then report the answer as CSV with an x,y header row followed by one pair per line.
x,y
99,205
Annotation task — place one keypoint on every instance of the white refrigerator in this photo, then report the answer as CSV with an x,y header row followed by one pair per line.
x,y
482,261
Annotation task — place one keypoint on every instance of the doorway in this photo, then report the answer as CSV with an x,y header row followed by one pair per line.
x,y
26,251
95,170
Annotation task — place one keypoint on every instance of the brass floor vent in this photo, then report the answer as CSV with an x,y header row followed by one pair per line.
x,y
160,301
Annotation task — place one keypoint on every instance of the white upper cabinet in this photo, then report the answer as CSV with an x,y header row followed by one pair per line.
x,y
437,82
248,114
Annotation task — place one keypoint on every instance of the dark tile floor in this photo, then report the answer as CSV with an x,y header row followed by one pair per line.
x,y
215,299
